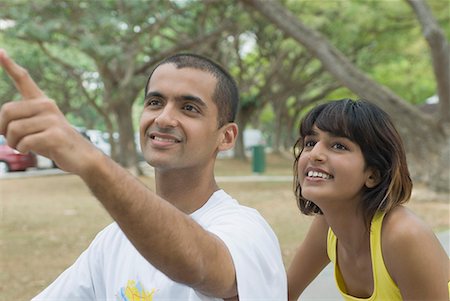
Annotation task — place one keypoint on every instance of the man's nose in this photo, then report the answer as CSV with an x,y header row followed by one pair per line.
x,y
167,117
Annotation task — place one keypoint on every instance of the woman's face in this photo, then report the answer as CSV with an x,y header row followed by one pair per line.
x,y
332,169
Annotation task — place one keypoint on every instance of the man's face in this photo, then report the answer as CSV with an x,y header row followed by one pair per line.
x,y
179,127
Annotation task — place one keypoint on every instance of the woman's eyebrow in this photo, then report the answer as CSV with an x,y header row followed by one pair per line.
x,y
312,132
337,135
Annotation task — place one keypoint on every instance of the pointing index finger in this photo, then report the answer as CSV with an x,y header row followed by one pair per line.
x,y
22,79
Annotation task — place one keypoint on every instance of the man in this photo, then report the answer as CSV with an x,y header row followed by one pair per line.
x,y
189,240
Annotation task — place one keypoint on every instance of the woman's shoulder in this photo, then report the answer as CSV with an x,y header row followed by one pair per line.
x,y
401,225
405,241
413,256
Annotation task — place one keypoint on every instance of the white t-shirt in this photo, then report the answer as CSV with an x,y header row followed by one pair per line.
x,y
112,269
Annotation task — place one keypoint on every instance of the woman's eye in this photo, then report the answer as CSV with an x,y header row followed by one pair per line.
x,y
309,143
339,146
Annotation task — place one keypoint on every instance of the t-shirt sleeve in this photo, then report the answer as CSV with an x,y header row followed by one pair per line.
x,y
256,254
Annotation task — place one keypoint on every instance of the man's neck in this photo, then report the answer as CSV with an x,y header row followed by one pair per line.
x,y
185,190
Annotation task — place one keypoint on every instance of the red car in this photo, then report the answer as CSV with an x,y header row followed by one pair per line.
x,y
12,160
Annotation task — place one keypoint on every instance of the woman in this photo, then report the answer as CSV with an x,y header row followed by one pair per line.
x,y
351,171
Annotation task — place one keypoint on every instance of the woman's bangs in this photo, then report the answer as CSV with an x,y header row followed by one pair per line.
x,y
335,121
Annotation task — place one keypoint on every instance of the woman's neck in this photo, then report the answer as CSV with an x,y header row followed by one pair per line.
x,y
350,228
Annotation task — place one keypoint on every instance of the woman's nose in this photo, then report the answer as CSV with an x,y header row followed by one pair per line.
x,y
317,154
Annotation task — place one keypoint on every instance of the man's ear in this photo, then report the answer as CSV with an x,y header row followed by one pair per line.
x,y
229,133
373,178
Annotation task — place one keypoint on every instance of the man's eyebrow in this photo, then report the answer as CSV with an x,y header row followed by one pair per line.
x,y
192,98
153,94
195,99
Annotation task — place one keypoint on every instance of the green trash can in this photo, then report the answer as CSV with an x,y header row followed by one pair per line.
x,y
258,159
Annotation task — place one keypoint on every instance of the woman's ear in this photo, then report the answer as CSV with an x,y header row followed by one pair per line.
x,y
373,178
228,136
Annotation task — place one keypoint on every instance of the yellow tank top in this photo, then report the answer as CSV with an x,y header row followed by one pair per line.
x,y
384,288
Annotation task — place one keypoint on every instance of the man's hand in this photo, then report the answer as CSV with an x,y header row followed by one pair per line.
x,y
36,124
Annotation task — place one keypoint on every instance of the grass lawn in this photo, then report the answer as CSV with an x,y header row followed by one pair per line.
x,y
46,222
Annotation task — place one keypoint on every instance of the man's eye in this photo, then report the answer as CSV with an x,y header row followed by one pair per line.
x,y
191,108
152,102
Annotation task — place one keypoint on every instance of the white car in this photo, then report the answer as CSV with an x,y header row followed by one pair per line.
x,y
97,139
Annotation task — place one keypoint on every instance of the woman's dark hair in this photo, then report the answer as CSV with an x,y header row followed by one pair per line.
x,y
372,129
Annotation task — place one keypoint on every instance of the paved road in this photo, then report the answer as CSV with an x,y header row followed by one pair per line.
x,y
34,172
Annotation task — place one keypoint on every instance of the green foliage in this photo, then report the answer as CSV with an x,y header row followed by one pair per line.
x,y
267,114
81,52
79,38
383,38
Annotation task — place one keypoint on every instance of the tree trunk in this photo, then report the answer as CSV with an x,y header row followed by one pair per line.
x,y
127,155
425,140
278,126
440,54
239,149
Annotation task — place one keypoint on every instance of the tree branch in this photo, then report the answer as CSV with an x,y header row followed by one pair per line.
x,y
335,61
440,54
183,45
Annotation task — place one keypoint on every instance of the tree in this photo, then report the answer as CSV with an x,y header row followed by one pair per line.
x,y
122,39
269,69
426,163
440,54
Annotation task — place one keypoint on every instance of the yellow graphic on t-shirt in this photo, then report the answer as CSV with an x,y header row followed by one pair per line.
x,y
134,292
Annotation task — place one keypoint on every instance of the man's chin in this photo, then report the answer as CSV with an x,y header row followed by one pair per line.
x,y
159,163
